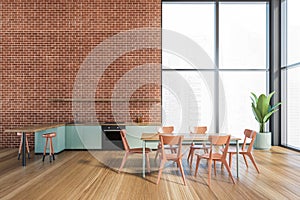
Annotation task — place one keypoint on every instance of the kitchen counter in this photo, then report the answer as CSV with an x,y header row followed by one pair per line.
x,y
110,124
33,128
81,135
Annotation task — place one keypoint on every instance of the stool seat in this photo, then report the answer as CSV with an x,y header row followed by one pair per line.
x,y
49,136
20,134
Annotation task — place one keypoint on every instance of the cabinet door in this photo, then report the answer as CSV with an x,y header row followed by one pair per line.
x,y
91,137
73,137
83,137
134,134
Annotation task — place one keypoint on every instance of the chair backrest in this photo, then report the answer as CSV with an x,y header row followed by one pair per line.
x,y
249,134
167,129
217,141
171,140
200,129
124,140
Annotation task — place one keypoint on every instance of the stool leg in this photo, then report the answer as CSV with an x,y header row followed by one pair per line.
x,y
27,145
20,148
52,149
45,148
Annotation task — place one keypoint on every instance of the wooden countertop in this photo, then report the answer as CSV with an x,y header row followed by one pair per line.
x,y
108,124
41,127
33,128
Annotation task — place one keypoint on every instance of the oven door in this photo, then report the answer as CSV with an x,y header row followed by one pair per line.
x,y
111,140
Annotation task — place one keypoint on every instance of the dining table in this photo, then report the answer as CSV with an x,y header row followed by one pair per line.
x,y
188,138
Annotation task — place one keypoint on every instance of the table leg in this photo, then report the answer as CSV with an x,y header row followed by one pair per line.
x,y
144,157
23,149
237,158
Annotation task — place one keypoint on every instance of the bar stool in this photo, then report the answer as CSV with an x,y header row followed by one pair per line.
x,y
21,142
51,149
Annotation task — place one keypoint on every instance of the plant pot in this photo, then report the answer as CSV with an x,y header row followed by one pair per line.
x,y
263,141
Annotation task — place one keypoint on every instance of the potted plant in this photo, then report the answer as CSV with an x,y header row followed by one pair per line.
x,y
263,110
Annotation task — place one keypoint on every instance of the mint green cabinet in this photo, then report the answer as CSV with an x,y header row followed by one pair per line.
x,y
134,134
58,141
73,139
88,137
83,137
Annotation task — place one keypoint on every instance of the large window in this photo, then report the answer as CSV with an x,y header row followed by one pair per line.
x,y
243,35
213,57
290,73
200,29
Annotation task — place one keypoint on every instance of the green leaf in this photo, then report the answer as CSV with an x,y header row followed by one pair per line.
x,y
269,97
253,101
262,105
256,113
255,97
275,106
266,118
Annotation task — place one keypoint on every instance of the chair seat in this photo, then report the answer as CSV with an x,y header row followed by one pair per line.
x,y
215,156
139,150
233,150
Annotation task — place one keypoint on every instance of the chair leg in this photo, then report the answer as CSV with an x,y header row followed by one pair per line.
x,y
162,164
20,148
215,168
205,148
188,158
253,161
172,149
230,159
148,162
27,146
245,160
181,170
158,151
45,148
197,165
209,170
123,161
229,170
192,157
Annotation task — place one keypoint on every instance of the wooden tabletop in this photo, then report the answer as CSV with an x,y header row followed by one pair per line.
x,y
33,128
187,136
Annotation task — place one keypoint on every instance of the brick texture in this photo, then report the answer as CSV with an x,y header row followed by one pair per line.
x,y
44,45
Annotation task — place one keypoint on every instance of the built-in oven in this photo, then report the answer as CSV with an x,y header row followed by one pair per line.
x,y
111,137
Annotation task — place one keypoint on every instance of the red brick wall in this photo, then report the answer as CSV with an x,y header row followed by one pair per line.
x,y
43,46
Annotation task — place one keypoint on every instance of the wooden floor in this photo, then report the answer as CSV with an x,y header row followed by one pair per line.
x,y
92,175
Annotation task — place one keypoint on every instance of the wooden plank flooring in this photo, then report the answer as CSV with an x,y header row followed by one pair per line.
x,y
93,175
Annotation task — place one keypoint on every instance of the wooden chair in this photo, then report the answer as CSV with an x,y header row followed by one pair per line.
x,y
129,151
193,147
215,154
21,142
249,134
49,136
165,130
176,157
